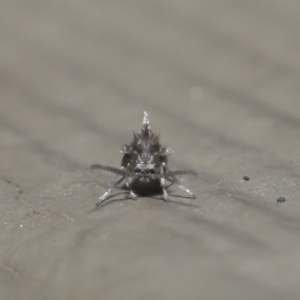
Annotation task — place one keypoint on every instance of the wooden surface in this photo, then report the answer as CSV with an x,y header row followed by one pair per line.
x,y
220,81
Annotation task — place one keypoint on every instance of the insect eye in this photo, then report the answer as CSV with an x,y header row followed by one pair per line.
x,y
138,170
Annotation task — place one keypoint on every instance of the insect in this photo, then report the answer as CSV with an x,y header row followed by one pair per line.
x,y
144,162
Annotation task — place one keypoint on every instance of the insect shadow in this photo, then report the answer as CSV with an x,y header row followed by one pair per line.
x,y
114,198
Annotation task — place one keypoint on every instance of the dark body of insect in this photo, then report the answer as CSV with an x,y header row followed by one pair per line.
x,y
144,160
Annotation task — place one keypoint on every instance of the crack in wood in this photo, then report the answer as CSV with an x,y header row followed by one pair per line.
x,y
20,192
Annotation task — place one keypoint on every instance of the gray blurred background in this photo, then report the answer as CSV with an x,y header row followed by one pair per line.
x,y
220,81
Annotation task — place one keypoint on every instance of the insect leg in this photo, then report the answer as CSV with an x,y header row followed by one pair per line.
x,y
112,184
178,183
163,183
132,194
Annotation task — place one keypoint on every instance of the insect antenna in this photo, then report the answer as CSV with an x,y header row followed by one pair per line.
x,y
184,172
110,169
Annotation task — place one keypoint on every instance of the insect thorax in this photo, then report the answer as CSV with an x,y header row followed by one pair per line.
x,y
145,154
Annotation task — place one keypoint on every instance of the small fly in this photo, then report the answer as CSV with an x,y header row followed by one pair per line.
x,y
144,162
